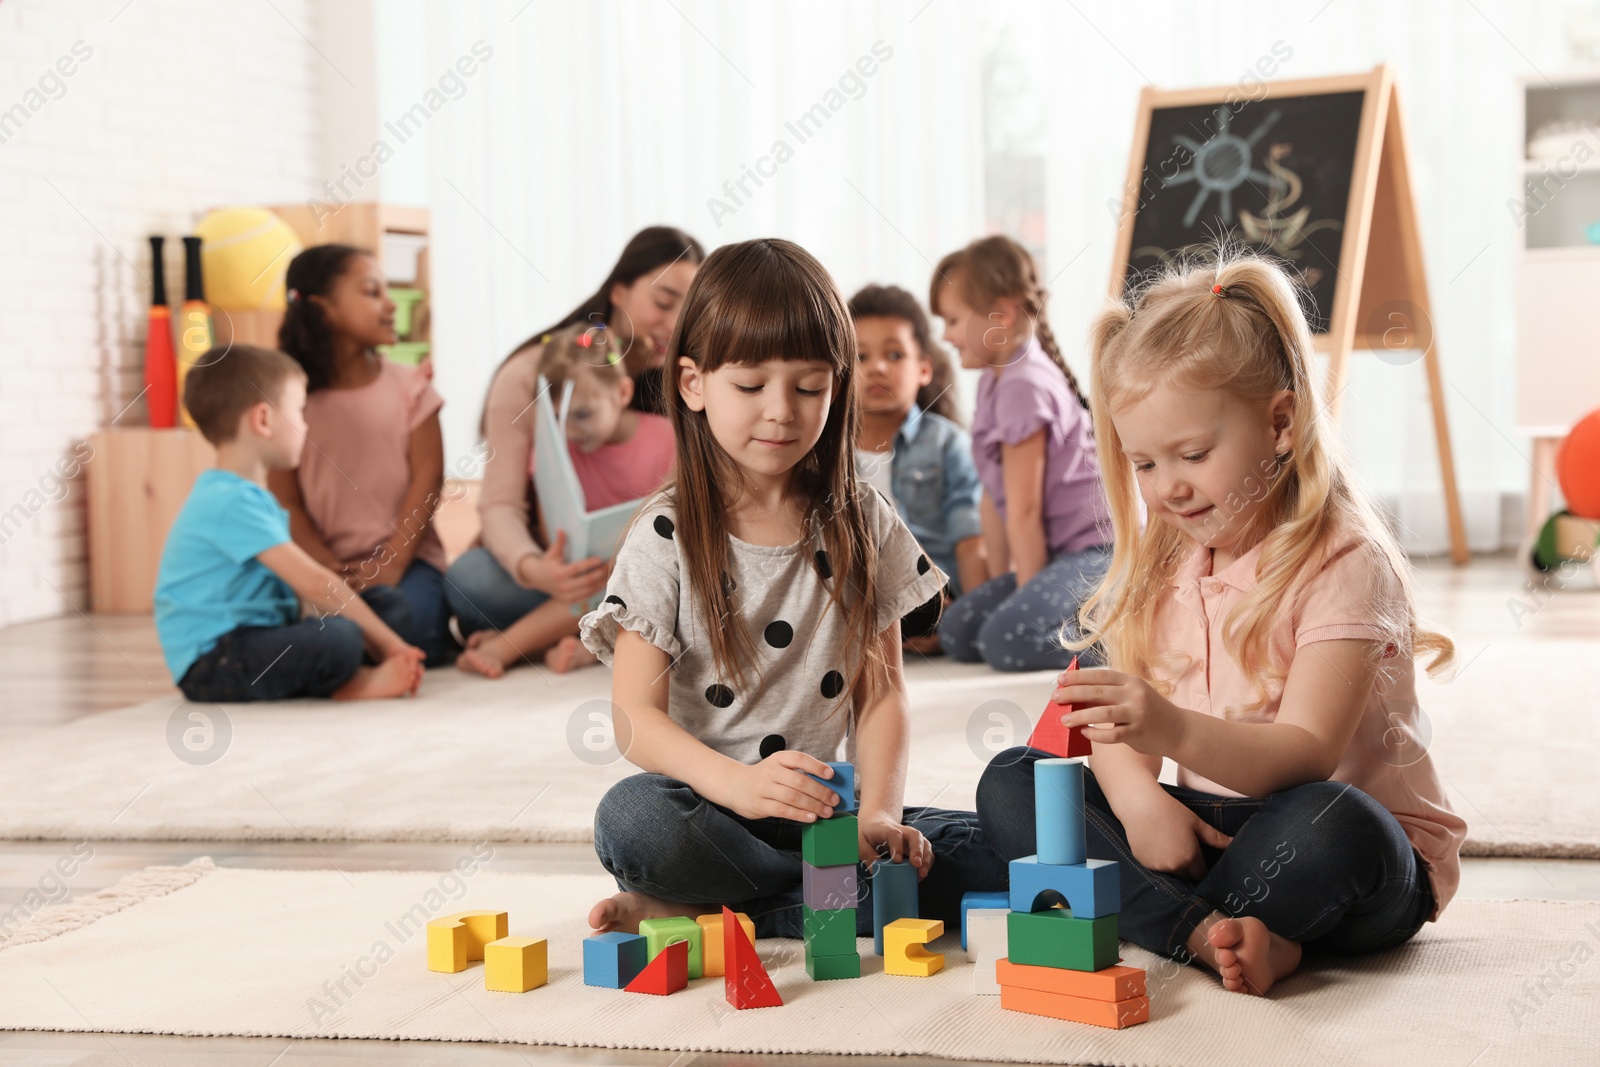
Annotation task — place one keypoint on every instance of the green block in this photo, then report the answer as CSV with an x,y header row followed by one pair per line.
x,y
1056,938
830,842
829,933
826,968
659,933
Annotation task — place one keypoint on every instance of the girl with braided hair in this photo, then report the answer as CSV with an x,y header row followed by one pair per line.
x,y
1043,513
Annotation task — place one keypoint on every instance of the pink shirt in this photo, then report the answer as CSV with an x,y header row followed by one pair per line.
x,y
356,466
630,470
1333,600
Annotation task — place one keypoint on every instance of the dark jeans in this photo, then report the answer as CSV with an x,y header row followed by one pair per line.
x,y
923,619
483,596
310,658
420,613
1014,629
658,836
1322,863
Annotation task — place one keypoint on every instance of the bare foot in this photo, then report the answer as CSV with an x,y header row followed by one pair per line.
x,y
398,675
927,645
476,638
568,654
477,661
1248,956
623,911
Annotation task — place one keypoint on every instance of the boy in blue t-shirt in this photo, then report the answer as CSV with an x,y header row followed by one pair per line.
x,y
229,592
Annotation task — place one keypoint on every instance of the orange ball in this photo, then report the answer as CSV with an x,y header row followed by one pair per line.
x,y
1578,467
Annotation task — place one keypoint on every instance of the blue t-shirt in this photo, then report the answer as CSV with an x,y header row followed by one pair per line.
x,y
210,582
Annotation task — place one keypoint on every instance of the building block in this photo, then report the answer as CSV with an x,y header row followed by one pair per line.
x,y
987,944
1114,1014
826,968
1112,983
516,964
1058,740
711,964
894,896
903,951
829,933
659,933
1091,889
746,982
997,899
829,888
1056,938
1058,811
843,782
830,842
456,940
612,960
667,973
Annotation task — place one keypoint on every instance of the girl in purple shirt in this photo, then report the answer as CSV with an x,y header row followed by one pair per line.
x,y
1045,525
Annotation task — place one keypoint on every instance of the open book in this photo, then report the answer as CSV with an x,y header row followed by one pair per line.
x,y
589,533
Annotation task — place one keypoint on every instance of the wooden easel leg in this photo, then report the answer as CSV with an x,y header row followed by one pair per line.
x,y
1540,481
1459,552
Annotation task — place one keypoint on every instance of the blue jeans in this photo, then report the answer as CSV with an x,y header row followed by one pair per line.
x,y
656,835
420,614
1322,863
483,596
310,658
1014,629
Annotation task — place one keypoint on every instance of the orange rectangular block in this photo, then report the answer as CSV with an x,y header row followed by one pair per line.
x,y
1114,1014
1109,983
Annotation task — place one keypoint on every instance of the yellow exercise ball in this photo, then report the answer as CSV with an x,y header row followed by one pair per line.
x,y
245,252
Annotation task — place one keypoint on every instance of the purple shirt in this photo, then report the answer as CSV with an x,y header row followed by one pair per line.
x,y
1032,394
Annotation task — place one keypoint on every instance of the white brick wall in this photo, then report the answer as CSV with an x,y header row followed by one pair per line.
x,y
182,105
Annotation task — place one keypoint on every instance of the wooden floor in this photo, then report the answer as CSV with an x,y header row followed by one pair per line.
x,y
80,665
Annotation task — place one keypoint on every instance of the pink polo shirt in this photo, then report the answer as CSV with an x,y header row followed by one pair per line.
x,y
1334,599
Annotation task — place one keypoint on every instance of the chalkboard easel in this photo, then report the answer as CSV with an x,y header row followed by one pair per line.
x,y
1314,171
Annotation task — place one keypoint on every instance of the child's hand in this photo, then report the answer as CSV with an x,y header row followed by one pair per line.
x,y
881,838
1166,836
1139,717
778,787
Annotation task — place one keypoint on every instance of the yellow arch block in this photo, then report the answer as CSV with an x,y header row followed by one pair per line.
x,y
516,964
456,940
902,947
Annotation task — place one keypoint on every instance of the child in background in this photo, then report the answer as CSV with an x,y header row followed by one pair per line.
x,y
363,500
620,454
1043,510
753,622
231,583
912,447
1262,629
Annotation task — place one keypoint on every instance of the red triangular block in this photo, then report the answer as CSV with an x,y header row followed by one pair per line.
x,y
1052,737
745,982
667,973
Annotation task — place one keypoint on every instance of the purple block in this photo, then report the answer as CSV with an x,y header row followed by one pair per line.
x,y
829,888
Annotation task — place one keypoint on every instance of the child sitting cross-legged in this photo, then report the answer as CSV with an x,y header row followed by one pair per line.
x,y
232,584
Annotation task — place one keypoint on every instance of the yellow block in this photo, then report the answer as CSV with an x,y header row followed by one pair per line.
x,y
516,964
902,947
455,940
711,942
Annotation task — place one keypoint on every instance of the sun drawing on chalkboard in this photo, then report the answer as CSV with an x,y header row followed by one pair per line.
x,y
1222,164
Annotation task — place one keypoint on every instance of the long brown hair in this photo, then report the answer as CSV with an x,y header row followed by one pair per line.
x,y
1253,340
893,302
994,267
750,303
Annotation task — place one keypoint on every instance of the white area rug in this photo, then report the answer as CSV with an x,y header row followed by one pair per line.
x,y
320,954
1517,740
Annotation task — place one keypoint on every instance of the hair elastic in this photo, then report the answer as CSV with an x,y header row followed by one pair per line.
x,y
291,296
1219,290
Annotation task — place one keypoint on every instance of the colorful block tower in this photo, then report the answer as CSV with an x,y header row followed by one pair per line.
x,y
829,857
1062,962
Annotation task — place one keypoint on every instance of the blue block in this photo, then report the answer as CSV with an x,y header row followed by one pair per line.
x,y
613,960
894,896
1091,889
980,900
1058,810
843,782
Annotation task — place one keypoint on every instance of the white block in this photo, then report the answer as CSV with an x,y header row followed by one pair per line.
x,y
986,945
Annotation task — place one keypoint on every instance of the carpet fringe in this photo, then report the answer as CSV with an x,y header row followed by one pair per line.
x,y
57,919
